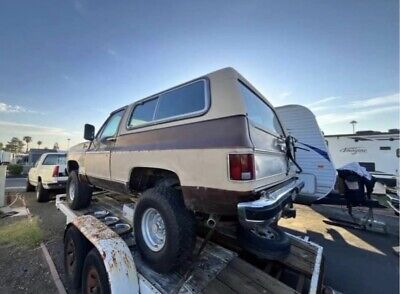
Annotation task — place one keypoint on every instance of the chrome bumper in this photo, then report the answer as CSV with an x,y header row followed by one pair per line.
x,y
270,204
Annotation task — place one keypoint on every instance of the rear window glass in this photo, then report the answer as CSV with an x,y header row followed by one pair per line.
x,y
54,159
186,100
259,113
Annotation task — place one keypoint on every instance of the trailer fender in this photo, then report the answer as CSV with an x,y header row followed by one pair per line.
x,y
118,261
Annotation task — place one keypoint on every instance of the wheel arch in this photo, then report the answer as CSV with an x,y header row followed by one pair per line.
x,y
72,165
142,178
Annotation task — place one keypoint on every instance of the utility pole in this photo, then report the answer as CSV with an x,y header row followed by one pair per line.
x,y
68,143
353,123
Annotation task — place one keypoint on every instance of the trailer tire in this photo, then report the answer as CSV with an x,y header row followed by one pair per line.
x,y
94,274
42,194
79,194
272,248
29,186
75,250
178,223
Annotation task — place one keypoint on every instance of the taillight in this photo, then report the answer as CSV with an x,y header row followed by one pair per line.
x,y
56,171
241,167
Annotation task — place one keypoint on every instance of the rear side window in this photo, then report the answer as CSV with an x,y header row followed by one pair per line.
x,y
184,100
54,159
143,113
259,112
187,100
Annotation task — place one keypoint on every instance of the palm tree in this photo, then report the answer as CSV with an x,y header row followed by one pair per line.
x,y
27,140
39,143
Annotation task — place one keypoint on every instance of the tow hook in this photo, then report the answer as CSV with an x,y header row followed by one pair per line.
x,y
289,211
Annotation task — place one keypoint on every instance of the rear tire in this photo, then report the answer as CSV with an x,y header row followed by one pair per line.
x,y
42,194
75,250
29,187
79,194
164,228
94,274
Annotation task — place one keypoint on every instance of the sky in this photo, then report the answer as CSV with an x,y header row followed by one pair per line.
x,y
67,63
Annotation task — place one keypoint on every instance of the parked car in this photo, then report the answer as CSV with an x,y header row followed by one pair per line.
x,y
208,148
48,173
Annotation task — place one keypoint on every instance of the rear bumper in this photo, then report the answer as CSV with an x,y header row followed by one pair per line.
x,y
55,185
269,206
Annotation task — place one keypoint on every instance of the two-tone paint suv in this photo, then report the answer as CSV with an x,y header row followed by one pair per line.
x,y
212,147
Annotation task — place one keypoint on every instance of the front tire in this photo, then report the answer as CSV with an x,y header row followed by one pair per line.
x,y
42,194
94,274
29,187
79,194
164,228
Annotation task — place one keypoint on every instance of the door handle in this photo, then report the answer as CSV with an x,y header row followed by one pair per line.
x,y
111,139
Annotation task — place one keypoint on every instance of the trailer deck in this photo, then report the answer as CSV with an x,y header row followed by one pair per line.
x,y
221,266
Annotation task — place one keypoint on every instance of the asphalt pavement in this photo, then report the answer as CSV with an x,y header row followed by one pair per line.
x,y
15,182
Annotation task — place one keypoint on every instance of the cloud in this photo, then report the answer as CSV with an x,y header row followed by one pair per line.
x,y
362,114
377,101
31,129
322,101
333,110
285,94
14,108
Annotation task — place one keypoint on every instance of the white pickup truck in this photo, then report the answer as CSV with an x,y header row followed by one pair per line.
x,y
49,173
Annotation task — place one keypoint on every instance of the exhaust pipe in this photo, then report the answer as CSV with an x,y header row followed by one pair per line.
x,y
211,221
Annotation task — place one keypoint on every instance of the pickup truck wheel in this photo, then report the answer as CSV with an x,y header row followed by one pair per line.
x,y
79,194
94,274
164,228
272,243
42,195
29,187
75,250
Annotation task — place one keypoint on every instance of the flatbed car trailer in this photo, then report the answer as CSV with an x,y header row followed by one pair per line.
x,y
219,267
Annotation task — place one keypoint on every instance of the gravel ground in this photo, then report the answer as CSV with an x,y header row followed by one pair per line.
x,y
23,270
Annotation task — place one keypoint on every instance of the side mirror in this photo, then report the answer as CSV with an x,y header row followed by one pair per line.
x,y
89,132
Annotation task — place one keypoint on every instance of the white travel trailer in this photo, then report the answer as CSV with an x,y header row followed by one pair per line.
x,y
378,152
312,155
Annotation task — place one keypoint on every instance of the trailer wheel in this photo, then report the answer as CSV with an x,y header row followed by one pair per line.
x,y
75,249
29,187
94,275
42,195
164,228
79,194
271,244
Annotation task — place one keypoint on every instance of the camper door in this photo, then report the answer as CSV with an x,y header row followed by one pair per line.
x,y
319,173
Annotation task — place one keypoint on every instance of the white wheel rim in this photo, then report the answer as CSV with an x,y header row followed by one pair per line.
x,y
153,229
71,191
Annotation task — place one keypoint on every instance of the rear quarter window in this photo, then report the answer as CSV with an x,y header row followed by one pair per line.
x,y
187,100
259,112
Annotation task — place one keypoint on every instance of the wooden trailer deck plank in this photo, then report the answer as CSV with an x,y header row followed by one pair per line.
x,y
270,284
217,287
240,282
